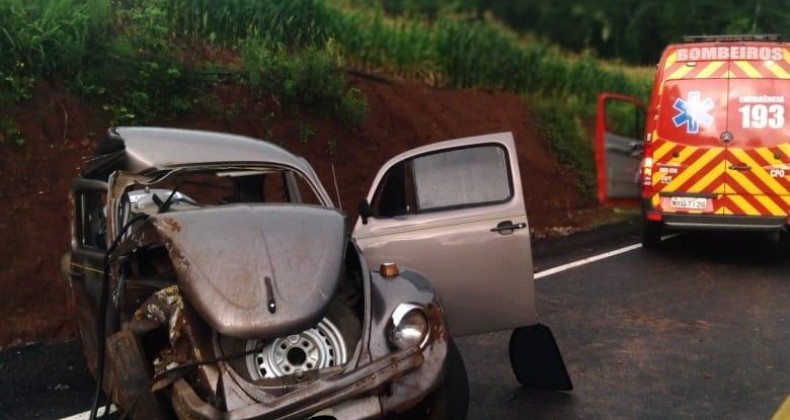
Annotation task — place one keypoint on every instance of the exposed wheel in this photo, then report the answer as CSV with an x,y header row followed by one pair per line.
x,y
651,233
329,343
319,347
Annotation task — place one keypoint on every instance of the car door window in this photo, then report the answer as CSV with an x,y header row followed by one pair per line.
x,y
462,178
458,178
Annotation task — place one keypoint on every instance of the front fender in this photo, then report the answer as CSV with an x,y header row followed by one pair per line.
x,y
386,295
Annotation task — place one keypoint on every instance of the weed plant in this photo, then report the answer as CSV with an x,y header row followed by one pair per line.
x,y
43,37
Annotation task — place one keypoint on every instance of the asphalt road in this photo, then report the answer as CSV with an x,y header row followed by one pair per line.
x,y
697,329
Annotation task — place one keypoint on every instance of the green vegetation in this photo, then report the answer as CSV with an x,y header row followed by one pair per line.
x,y
146,58
39,39
455,50
308,77
305,133
9,132
634,31
139,57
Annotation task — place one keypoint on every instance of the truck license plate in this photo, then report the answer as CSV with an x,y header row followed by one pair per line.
x,y
689,203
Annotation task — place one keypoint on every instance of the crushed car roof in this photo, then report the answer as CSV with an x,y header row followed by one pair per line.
x,y
137,149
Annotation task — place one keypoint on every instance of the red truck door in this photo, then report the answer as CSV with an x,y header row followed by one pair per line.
x,y
618,148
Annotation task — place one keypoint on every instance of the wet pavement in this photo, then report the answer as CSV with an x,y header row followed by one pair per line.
x,y
697,329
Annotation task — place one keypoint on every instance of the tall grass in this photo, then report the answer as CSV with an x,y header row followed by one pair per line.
x,y
308,77
50,35
292,49
465,52
295,23
132,52
47,36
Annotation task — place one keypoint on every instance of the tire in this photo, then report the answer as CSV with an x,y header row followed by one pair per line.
x,y
781,243
651,233
450,400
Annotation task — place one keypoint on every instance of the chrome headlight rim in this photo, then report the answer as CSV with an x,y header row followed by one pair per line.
x,y
401,319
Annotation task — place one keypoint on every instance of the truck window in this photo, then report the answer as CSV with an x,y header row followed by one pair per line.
x,y
625,119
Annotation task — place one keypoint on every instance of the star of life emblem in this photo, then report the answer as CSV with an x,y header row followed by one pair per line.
x,y
692,112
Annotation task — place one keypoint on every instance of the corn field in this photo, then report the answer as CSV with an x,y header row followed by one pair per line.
x,y
299,41
51,35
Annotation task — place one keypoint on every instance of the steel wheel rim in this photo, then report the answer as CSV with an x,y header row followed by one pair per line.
x,y
319,347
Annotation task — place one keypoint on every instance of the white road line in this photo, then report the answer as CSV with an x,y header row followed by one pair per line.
x,y
594,258
87,414
588,260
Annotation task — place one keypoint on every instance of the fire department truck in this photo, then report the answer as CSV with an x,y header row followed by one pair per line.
x,y
715,149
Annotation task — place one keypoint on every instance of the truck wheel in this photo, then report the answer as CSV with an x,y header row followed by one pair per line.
x,y
651,233
782,243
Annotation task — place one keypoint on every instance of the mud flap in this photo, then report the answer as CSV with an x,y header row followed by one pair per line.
x,y
536,359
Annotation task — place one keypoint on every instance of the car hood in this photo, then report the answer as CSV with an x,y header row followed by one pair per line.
x,y
256,271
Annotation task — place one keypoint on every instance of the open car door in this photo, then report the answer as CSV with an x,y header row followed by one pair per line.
x,y
84,265
454,212
618,148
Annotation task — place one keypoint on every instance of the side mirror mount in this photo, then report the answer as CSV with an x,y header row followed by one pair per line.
x,y
365,212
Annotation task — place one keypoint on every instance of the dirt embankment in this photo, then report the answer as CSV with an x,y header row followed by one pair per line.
x,y
59,129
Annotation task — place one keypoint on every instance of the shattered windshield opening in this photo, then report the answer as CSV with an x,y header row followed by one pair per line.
x,y
186,189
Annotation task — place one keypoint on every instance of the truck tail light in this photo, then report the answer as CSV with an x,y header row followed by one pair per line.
x,y
647,171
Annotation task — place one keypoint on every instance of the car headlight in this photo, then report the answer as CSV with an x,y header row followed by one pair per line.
x,y
408,326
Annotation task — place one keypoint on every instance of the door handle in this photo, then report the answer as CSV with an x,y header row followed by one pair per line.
x,y
507,227
740,167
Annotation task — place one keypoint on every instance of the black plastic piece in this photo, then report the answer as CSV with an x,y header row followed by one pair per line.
x,y
731,38
508,227
536,359
364,210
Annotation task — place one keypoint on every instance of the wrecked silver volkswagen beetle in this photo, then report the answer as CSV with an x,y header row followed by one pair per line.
x,y
212,277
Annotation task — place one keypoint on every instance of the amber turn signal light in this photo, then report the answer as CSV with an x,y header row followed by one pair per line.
x,y
389,270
